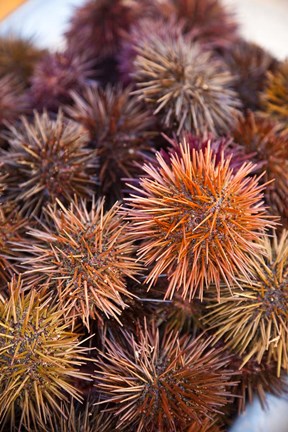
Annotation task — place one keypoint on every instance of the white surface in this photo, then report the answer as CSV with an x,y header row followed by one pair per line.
x,y
262,21
45,20
275,419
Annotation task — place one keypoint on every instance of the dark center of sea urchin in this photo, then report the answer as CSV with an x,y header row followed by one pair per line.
x,y
198,216
85,255
25,348
274,301
53,172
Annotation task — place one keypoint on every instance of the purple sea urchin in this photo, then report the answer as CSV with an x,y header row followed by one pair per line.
x,y
55,76
220,147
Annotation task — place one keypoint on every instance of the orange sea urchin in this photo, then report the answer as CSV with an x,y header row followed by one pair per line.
x,y
197,220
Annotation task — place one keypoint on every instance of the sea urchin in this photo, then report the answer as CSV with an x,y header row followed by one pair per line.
x,y
197,220
187,87
47,159
162,383
38,358
87,257
253,322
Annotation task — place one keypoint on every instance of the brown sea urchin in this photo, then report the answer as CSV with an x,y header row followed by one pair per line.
x,y
87,257
47,159
12,229
249,64
18,57
197,220
119,129
264,140
79,418
12,101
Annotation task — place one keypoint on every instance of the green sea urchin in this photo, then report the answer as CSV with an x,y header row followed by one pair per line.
x,y
39,357
253,322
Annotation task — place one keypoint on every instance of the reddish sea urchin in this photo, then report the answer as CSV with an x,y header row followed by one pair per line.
x,y
101,24
265,141
256,380
162,383
197,220
208,20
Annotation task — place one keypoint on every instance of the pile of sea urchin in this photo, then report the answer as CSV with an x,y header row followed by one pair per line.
x,y
143,241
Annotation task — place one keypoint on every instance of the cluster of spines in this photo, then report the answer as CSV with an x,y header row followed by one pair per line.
x,y
188,252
